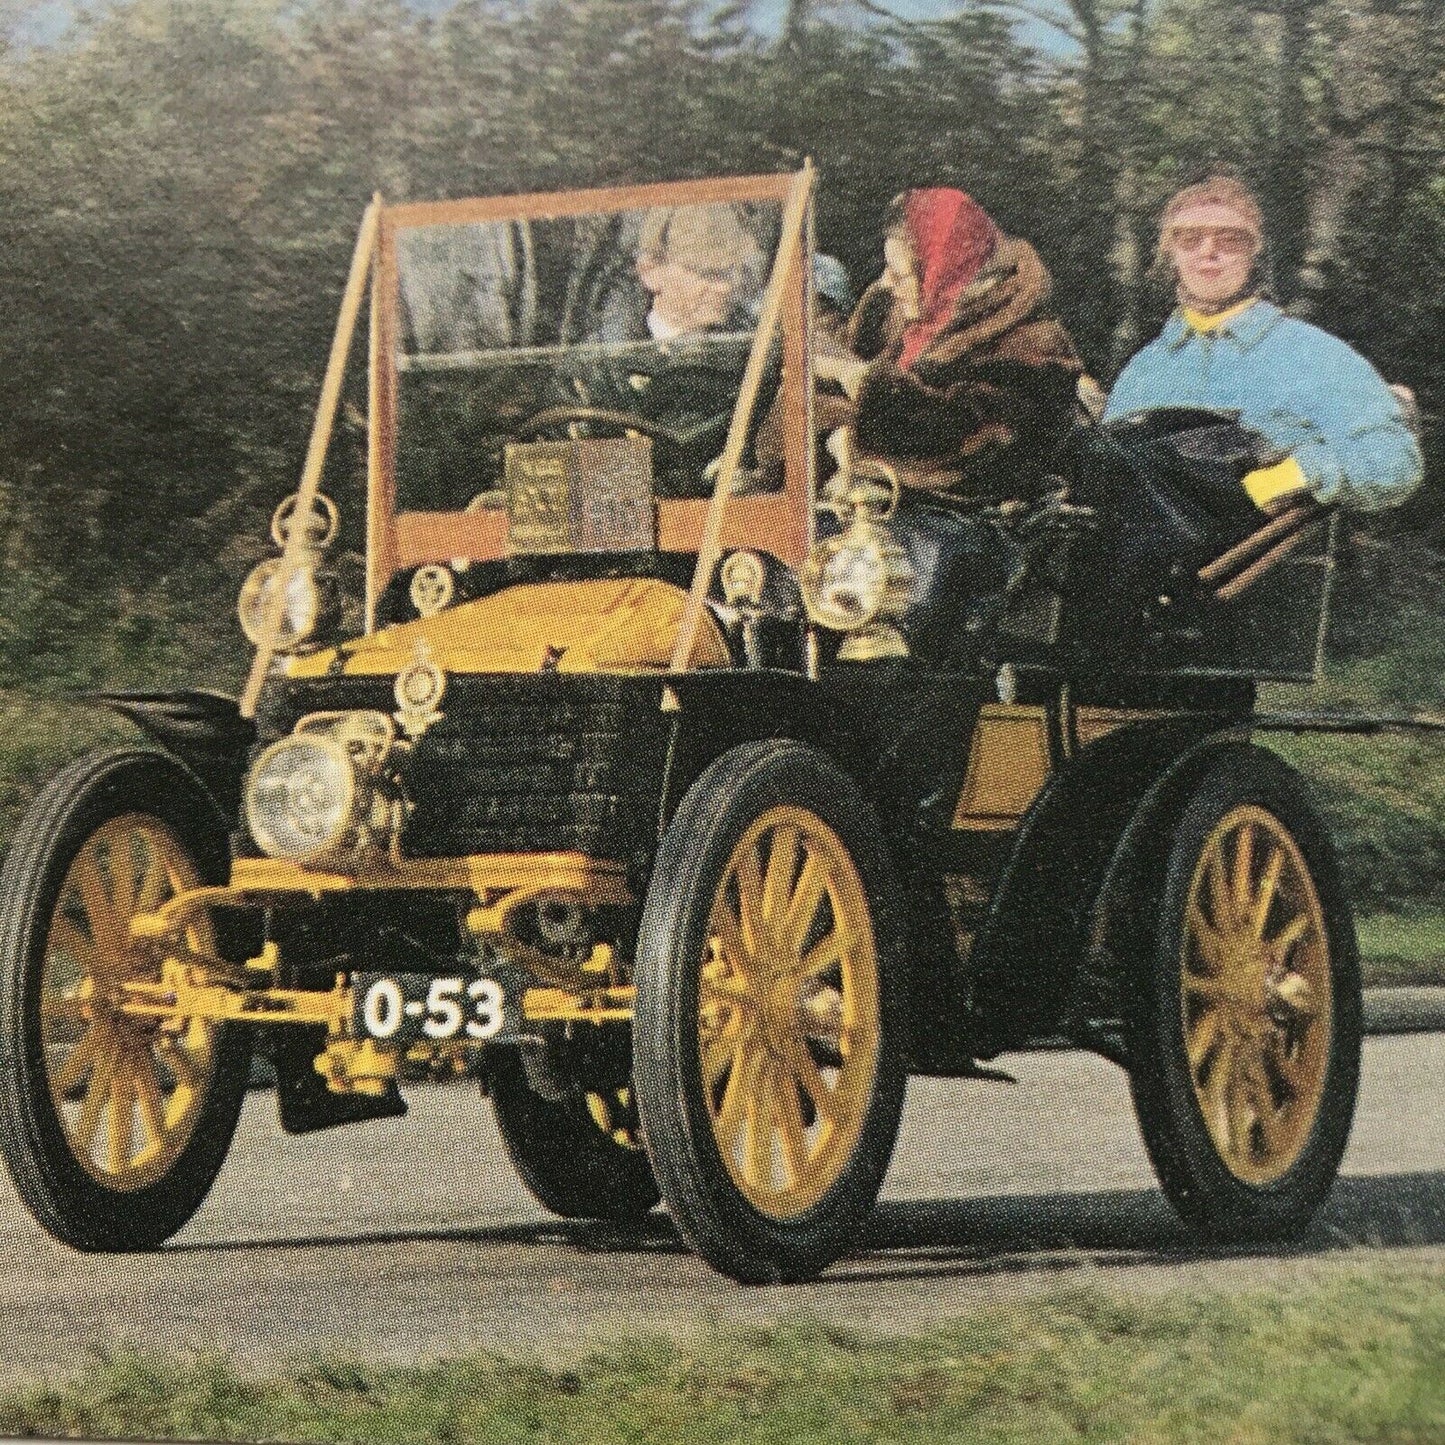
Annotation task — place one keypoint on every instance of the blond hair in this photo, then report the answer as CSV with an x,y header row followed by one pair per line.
x,y
1218,189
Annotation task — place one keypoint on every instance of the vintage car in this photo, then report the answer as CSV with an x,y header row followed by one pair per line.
x,y
690,783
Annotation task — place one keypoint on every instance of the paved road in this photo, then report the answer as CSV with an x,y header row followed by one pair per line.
x,y
410,1238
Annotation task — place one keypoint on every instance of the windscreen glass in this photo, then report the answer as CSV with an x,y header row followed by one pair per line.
x,y
633,323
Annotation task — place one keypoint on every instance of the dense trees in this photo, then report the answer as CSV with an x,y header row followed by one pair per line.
x,y
180,181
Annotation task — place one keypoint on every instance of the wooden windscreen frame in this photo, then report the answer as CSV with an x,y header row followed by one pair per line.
x,y
780,523
296,545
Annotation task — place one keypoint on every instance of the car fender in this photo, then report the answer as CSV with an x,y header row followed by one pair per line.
x,y
202,730
904,750
716,712
1077,846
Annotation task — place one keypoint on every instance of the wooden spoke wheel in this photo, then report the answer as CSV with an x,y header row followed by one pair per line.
x,y
113,1125
788,1011
127,1091
578,1151
766,1042
1257,995
1247,1039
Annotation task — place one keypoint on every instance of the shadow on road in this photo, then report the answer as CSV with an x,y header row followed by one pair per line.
x,y
991,1236
1120,1228
651,1235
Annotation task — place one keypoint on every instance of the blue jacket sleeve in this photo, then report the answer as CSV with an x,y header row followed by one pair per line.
x,y
1344,426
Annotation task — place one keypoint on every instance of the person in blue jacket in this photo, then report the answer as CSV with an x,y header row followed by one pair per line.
x,y
1344,433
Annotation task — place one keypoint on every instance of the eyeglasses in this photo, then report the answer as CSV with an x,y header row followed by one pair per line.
x,y
1228,240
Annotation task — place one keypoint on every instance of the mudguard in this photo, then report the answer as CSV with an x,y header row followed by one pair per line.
x,y
904,740
1076,845
204,730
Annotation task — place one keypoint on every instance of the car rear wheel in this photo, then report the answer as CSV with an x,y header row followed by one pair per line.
x,y
579,1154
113,1126
1246,1028
766,1041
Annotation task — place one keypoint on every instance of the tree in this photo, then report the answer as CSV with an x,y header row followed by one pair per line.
x,y
180,184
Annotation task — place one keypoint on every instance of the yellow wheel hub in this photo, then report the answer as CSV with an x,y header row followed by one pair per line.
x,y
1257,997
788,1011
127,1090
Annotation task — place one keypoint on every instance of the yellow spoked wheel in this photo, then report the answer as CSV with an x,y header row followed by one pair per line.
x,y
113,1126
788,1011
1245,1030
127,1091
571,1128
1257,1000
766,1040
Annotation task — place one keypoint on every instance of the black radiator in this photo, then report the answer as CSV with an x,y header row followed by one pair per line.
x,y
518,764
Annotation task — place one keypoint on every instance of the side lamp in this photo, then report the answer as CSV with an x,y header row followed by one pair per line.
x,y
860,582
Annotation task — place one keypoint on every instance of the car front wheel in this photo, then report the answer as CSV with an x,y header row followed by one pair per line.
x,y
766,1042
113,1126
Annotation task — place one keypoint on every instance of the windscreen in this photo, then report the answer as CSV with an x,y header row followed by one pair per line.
x,y
631,323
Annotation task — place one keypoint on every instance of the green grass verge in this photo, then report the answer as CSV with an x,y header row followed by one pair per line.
x,y
1403,948
38,736
1384,798
1358,1358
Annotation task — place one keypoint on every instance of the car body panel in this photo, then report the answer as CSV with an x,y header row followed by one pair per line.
x,y
597,625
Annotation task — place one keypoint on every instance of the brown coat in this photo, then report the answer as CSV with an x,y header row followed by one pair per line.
x,y
989,399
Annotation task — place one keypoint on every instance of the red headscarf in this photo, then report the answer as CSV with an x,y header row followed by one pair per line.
x,y
952,238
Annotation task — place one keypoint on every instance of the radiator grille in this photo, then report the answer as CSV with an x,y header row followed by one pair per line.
x,y
517,764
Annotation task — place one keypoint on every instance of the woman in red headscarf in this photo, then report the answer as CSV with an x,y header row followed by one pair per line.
x,y
959,369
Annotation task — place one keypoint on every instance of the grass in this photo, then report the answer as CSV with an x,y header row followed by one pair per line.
x,y
1358,1358
1384,798
1403,949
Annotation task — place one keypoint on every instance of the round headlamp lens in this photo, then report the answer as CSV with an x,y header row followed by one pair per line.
x,y
300,798
299,613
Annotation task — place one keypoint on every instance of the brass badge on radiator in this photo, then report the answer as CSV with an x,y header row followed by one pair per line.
x,y
420,687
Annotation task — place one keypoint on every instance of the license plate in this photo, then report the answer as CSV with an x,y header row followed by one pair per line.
x,y
412,1008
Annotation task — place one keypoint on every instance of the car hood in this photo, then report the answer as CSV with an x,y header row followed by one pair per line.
x,y
599,625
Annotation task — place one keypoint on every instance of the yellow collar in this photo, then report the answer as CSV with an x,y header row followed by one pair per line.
x,y
1203,324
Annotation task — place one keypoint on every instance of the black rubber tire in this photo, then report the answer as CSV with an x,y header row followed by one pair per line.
x,y
570,1166
1211,1199
69,1202
706,1205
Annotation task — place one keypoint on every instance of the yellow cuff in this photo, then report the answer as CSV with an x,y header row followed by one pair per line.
x,y
1268,483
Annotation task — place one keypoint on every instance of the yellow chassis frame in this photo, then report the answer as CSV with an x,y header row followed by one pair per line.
x,y
197,985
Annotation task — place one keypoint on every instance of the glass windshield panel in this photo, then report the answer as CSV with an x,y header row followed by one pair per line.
x,y
599,325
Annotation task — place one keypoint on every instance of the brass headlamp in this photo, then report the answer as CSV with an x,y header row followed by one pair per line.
x,y
313,598
861,581
325,793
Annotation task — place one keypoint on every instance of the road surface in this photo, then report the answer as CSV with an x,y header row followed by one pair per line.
x,y
408,1239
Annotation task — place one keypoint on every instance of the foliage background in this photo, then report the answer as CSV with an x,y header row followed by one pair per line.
x,y
180,182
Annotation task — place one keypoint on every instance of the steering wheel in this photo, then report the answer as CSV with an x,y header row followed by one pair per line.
x,y
558,418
